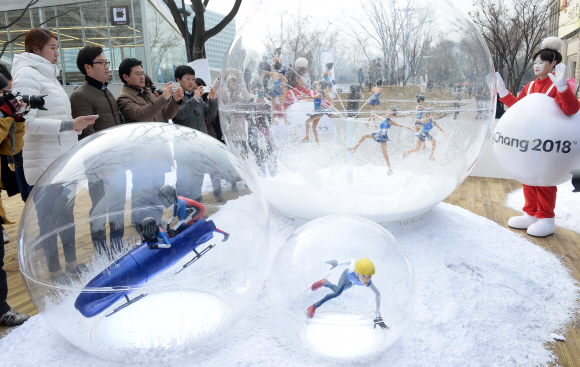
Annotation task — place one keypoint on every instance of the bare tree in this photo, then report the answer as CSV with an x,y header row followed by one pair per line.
x,y
198,35
397,30
513,31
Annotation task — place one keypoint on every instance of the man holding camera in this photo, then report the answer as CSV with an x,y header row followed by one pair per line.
x,y
150,163
192,113
138,104
194,110
12,141
107,193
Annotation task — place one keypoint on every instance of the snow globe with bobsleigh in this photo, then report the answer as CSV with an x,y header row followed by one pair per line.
x,y
144,242
334,123
342,287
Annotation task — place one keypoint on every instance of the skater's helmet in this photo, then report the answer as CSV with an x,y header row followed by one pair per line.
x,y
148,228
364,267
167,194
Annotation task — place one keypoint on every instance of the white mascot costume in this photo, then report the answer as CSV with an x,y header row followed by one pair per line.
x,y
536,140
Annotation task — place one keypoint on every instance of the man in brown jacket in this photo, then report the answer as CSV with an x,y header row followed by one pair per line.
x,y
149,163
138,104
107,193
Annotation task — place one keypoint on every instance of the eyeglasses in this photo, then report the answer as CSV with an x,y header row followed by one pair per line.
x,y
108,63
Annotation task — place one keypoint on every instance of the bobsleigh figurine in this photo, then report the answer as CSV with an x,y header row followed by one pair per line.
x,y
359,273
539,217
158,252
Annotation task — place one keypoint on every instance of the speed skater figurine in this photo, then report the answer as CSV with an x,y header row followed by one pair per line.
x,y
539,218
359,273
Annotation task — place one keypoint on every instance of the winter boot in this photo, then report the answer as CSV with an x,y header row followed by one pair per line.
x,y
311,311
13,318
317,285
543,227
522,222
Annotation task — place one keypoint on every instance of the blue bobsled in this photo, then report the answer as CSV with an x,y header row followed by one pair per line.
x,y
141,265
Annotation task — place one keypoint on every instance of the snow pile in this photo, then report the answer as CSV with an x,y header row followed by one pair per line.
x,y
567,204
485,296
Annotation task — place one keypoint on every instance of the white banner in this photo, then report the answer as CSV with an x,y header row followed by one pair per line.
x,y
201,68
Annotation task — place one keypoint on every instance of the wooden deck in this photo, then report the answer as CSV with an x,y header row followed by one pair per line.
x,y
482,196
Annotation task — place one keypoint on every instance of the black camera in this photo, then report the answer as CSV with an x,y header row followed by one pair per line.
x,y
32,101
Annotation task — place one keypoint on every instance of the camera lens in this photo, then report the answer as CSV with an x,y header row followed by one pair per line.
x,y
34,101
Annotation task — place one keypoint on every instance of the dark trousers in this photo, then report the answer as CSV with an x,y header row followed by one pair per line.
x,y
107,196
3,281
343,284
54,208
259,143
189,180
145,194
24,187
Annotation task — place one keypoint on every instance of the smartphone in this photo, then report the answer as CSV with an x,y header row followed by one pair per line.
x,y
206,89
175,84
260,94
94,116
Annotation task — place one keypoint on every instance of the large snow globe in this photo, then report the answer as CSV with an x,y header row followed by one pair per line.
x,y
338,117
144,242
343,287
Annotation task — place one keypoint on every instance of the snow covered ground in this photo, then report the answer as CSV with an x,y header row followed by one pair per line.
x,y
485,297
567,206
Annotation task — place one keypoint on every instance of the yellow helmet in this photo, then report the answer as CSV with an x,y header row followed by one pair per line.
x,y
364,267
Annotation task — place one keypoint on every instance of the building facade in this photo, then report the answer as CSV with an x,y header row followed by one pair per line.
x,y
143,29
565,24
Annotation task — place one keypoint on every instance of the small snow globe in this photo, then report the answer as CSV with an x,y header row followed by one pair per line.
x,y
342,287
336,117
144,242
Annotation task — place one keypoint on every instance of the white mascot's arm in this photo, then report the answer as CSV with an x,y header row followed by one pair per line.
x,y
559,79
501,89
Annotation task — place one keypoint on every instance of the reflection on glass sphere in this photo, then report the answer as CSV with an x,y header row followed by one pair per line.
x,y
343,118
322,307
144,242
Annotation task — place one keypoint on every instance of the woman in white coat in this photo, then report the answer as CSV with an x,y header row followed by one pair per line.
x,y
49,133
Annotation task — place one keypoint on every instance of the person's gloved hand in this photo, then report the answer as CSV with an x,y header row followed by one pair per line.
x,y
332,263
501,89
559,79
12,108
379,321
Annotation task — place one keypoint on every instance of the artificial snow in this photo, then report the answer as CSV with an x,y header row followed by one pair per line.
x,y
485,296
558,337
567,204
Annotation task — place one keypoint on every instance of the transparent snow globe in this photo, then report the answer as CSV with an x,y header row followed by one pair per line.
x,y
144,242
323,302
336,117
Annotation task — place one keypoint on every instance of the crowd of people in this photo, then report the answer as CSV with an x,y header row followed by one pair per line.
x,y
34,138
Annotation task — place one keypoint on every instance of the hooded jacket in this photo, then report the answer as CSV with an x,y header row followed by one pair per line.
x,y
43,142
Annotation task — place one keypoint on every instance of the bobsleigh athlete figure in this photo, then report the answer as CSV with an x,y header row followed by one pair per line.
x,y
158,252
188,211
359,273
539,217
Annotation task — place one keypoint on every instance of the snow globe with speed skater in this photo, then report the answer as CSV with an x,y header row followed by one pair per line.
x,y
144,242
343,287
333,123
